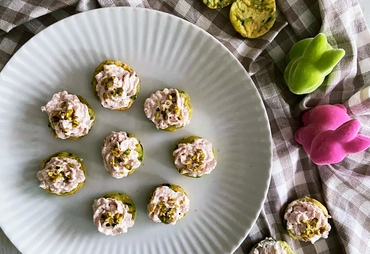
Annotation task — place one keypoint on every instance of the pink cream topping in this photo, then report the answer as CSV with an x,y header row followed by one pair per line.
x,y
167,205
299,214
269,246
111,216
196,158
167,108
68,116
61,175
116,86
119,154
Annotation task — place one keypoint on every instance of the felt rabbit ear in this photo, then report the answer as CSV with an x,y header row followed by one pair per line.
x,y
347,136
347,131
297,49
316,47
330,59
358,144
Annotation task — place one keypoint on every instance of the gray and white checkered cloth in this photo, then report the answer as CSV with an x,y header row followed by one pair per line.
x,y
343,187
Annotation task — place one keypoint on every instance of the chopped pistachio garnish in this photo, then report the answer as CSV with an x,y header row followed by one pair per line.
x,y
65,115
54,176
166,214
195,161
311,228
112,220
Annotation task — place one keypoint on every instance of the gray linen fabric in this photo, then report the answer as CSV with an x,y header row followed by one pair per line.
x,y
344,188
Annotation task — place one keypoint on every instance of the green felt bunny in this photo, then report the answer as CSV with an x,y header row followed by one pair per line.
x,y
309,62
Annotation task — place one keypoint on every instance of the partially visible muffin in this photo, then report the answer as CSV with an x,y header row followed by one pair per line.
x,y
122,154
217,4
169,109
168,204
252,18
115,84
114,213
62,174
270,245
306,220
70,116
194,156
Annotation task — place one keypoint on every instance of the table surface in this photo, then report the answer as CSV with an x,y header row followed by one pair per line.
x,y
6,247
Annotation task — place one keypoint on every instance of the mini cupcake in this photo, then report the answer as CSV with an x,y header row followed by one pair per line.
x,y
307,220
122,154
168,204
270,245
115,85
194,156
70,116
114,213
62,174
169,109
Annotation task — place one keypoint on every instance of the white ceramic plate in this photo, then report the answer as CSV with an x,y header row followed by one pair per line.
x,y
166,52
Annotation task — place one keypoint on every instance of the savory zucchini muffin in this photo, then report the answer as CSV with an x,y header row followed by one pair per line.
x,y
168,204
114,213
122,154
70,116
115,85
270,245
169,109
194,156
62,174
217,4
306,220
253,18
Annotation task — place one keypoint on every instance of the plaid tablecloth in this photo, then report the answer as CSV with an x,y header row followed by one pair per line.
x,y
343,187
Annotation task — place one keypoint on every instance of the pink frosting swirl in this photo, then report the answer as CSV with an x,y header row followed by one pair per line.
x,y
61,175
298,213
119,154
123,87
195,159
169,101
68,116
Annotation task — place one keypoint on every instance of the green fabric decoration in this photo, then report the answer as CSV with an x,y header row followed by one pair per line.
x,y
309,62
